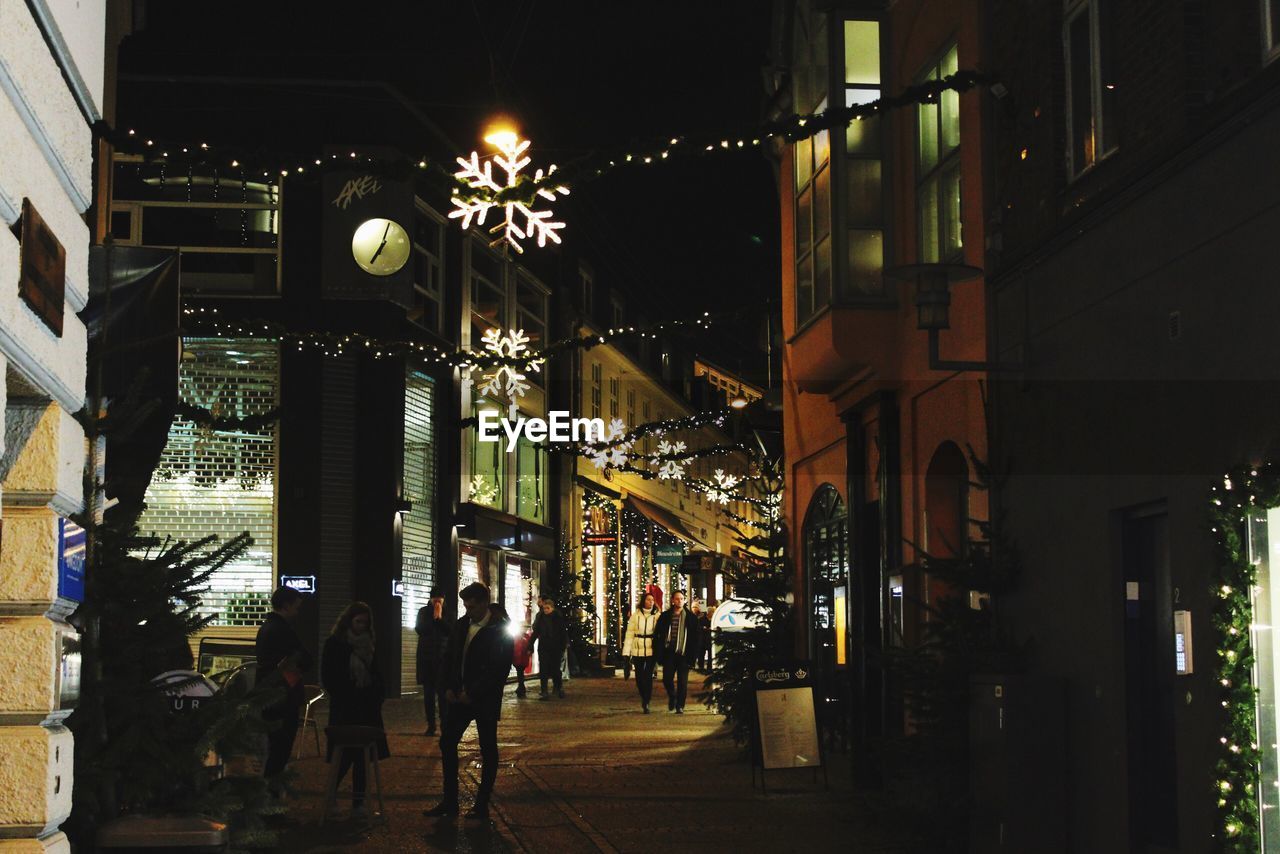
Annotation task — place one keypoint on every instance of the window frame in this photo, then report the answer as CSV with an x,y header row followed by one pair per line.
x,y
1073,9
137,209
1270,49
946,163
435,261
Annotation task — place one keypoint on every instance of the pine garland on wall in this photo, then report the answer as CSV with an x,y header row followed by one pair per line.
x,y
1244,492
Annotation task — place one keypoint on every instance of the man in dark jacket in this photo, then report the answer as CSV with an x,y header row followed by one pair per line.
x,y
676,643
477,661
281,661
433,632
550,632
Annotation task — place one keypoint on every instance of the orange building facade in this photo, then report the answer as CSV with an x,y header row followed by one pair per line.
x,y
877,441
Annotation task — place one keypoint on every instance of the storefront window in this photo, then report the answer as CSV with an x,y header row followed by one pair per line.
x,y
488,463
531,481
1264,541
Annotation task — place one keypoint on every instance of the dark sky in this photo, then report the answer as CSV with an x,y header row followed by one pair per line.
x,y
692,235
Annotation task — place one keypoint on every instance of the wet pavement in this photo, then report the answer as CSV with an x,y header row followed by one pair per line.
x,y
590,773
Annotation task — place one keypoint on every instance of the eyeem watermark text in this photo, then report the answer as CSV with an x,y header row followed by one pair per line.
x,y
557,427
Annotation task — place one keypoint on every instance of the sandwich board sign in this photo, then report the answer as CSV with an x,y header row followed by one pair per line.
x,y
786,723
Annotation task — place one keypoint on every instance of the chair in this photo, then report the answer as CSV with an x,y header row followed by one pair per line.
x,y
312,694
341,738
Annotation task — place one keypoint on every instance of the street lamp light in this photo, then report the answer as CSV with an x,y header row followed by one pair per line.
x,y
933,309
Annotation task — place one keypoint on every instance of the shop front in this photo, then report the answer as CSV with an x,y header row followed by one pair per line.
x,y
510,556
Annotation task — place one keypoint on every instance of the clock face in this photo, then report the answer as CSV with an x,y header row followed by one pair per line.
x,y
381,247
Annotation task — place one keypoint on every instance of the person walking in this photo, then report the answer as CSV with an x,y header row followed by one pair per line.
x,y
702,622
351,678
676,638
550,632
477,661
637,646
281,661
433,631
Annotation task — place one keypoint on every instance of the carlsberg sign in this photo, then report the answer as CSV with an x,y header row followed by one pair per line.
x,y
557,427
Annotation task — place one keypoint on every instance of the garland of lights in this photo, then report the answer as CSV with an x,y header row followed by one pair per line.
x,y
1243,491
522,190
613,569
202,322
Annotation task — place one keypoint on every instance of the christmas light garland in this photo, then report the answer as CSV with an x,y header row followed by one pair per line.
x,y
204,322
524,190
1243,491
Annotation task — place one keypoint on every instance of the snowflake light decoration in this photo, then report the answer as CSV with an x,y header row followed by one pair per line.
x,y
482,491
616,456
671,469
506,379
724,483
521,221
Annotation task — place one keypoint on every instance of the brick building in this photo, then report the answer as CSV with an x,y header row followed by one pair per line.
x,y
876,431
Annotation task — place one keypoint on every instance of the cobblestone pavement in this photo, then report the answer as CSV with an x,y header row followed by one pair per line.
x,y
590,773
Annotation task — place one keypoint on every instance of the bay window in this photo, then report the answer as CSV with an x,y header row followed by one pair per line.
x,y
938,167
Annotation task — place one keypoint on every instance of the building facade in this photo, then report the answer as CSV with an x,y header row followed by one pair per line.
x,y
1133,265
51,73
879,422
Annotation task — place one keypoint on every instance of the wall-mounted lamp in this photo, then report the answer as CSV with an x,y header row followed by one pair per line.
x,y
739,401
404,506
933,309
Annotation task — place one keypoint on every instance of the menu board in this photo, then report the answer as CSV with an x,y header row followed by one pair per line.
x,y
785,720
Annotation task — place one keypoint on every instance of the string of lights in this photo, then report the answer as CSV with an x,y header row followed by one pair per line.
x,y
205,322
1243,492
242,164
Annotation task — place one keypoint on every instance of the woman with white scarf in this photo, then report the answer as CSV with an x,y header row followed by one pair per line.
x,y
349,672
639,648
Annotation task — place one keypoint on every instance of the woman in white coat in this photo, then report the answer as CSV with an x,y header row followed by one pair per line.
x,y
638,646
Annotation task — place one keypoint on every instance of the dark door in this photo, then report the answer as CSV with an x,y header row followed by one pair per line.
x,y
1149,681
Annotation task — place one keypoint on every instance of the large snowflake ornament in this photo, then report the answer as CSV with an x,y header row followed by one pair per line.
x,y
721,491
615,456
506,379
671,469
521,221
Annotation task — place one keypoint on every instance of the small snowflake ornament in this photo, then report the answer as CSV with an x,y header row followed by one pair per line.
x,y
671,469
724,483
615,456
506,379
521,221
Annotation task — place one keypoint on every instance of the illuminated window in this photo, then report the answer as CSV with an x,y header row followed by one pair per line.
x,y
938,167
488,463
1091,85
863,202
531,481
812,166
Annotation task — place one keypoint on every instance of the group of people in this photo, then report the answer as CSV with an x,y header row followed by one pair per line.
x,y
678,638
549,633
463,667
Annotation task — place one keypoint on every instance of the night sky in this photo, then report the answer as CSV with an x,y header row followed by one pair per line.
x,y
693,235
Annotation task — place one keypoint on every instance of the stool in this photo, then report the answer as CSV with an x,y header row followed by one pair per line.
x,y
365,740
312,694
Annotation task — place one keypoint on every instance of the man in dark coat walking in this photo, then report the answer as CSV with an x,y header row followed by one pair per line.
x,y
281,661
433,633
676,643
551,633
477,661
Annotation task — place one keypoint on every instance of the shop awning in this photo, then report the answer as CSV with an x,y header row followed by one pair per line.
x,y
661,517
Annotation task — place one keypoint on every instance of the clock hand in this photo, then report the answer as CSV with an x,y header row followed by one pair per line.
x,y
385,232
